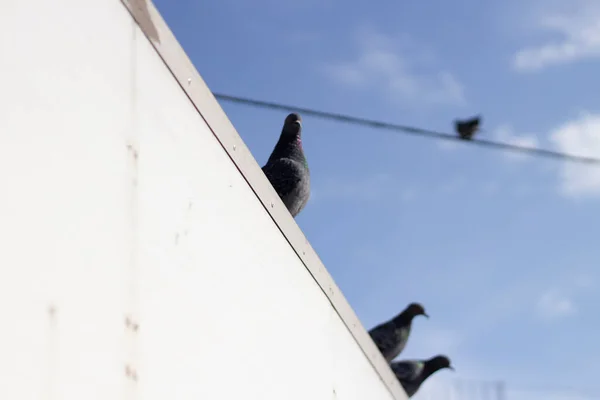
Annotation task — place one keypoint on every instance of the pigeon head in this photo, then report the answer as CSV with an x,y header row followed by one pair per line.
x,y
415,309
293,124
439,362
292,130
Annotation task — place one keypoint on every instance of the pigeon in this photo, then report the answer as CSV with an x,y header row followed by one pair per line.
x,y
391,336
467,128
412,373
287,169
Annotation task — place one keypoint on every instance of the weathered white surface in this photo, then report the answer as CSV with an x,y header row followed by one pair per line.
x,y
117,201
65,95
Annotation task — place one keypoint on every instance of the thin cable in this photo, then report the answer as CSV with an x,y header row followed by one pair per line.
x,y
534,151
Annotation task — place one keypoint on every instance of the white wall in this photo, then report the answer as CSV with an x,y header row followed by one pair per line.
x,y
117,202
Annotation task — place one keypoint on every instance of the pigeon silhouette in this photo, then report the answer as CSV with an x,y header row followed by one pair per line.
x,y
287,169
391,336
466,129
412,373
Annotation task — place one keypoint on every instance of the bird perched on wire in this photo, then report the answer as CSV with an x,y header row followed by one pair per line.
x,y
287,169
391,336
412,373
466,129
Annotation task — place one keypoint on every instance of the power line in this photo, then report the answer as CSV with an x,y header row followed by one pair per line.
x,y
533,151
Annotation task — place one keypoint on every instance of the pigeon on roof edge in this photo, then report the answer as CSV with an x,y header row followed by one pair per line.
x,y
412,373
287,168
391,336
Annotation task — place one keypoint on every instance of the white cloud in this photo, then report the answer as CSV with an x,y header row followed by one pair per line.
x,y
398,69
580,136
584,281
554,295
578,29
560,299
506,134
553,304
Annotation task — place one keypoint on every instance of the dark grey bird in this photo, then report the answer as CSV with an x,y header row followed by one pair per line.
x,y
391,336
412,373
287,169
466,129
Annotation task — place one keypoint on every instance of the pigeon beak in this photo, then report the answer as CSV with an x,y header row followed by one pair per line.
x,y
299,123
425,315
451,368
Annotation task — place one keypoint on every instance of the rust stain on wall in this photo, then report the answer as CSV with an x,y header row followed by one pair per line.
x,y
50,392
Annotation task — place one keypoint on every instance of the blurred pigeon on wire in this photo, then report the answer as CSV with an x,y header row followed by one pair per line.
x,y
287,169
412,373
466,129
391,336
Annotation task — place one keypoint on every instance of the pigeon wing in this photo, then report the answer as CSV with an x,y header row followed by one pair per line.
x,y
283,176
382,334
390,339
407,370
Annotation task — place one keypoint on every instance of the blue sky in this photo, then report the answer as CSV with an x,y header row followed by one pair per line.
x,y
502,250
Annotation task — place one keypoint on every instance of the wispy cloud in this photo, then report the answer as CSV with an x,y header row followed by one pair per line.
x,y
397,68
581,136
506,134
561,299
556,294
578,32
553,304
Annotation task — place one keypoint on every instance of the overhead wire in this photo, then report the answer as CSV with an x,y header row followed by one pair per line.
x,y
533,151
